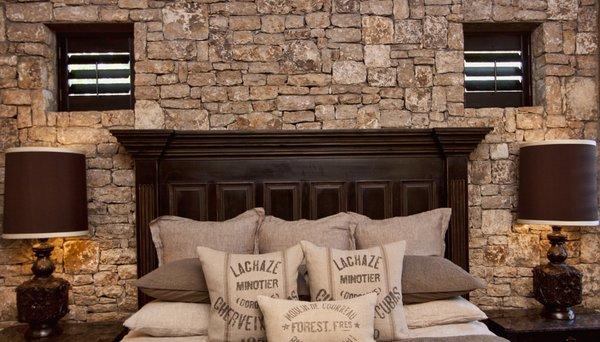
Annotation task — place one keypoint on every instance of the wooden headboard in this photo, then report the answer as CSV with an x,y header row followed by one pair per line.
x,y
217,175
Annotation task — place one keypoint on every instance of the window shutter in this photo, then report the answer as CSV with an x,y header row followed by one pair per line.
x,y
496,72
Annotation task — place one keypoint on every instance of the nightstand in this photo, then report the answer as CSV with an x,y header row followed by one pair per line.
x,y
71,332
528,325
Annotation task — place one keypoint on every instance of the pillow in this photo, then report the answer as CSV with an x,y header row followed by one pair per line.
x,y
336,231
135,336
170,319
336,274
234,281
177,281
344,320
426,278
177,237
424,233
447,311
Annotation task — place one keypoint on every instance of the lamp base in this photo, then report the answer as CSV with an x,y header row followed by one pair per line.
x,y
557,285
43,300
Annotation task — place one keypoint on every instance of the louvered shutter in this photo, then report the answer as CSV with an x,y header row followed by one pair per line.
x,y
496,70
97,71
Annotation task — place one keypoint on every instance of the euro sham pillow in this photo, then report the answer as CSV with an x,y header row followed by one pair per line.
x,y
177,237
335,231
344,320
424,233
447,311
163,319
176,281
429,278
337,274
235,280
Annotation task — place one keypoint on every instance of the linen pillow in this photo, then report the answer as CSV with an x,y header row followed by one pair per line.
x,y
165,319
344,320
176,281
427,278
335,231
424,233
447,311
135,336
336,274
234,281
177,237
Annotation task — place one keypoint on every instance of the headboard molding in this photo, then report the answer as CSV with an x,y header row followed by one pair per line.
x,y
320,172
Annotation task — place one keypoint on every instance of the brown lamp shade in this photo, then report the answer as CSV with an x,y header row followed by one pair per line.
x,y
558,183
45,193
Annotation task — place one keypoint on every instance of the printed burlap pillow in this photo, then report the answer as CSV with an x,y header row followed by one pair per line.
x,y
344,320
235,280
336,274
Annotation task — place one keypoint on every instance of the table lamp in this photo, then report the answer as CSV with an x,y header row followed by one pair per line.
x,y
558,187
45,197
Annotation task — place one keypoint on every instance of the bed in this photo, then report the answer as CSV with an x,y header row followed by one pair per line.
x,y
300,174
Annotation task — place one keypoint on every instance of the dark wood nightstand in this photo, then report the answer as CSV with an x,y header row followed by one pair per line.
x,y
71,332
528,325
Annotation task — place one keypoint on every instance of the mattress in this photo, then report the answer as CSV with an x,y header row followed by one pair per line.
x,y
472,331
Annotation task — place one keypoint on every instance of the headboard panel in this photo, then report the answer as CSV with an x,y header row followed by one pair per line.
x,y
307,174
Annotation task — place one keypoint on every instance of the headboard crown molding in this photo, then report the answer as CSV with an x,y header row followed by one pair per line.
x,y
155,143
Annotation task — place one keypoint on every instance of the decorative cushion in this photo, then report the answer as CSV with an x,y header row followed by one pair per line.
x,y
344,320
170,319
424,233
336,274
235,280
177,281
177,237
336,231
447,311
427,278
136,336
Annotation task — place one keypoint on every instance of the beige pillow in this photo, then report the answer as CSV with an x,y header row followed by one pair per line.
x,y
344,320
424,233
235,280
447,311
177,237
170,319
336,274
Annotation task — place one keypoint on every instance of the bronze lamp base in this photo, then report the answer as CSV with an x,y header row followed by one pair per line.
x,y
43,300
557,285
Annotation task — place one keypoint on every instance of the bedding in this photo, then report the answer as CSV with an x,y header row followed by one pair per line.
x,y
428,278
235,280
176,281
344,320
165,319
177,237
424,233
439,312
337,274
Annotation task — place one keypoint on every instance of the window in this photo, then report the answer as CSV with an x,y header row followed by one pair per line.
x,y
95,66
497,67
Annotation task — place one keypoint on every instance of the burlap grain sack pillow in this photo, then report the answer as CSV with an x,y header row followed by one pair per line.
x,y
344,320
177,237
336,274
424,233
235,280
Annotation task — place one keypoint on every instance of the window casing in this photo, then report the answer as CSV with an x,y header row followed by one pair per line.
x,y
497,68
95,64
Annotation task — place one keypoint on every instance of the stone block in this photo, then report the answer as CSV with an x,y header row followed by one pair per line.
x,y
581,98
408,31
148,114
295,103
377,56
187,20
349,72
29,12
174,50
377,30
81,256
76,13
496,222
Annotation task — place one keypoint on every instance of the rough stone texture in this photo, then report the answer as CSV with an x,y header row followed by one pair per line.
x,y
315,64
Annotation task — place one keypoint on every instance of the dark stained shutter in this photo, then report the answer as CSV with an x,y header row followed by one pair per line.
x,y
497,69
96,70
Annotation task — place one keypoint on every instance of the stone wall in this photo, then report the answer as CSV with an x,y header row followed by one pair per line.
x,y
298,64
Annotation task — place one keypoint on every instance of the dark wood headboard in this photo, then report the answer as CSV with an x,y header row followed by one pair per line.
x,y
216,175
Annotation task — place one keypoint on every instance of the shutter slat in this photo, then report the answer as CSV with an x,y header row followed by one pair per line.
x,y
491,57
489,71
98,58
509,85
479,85
112,73
114,88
